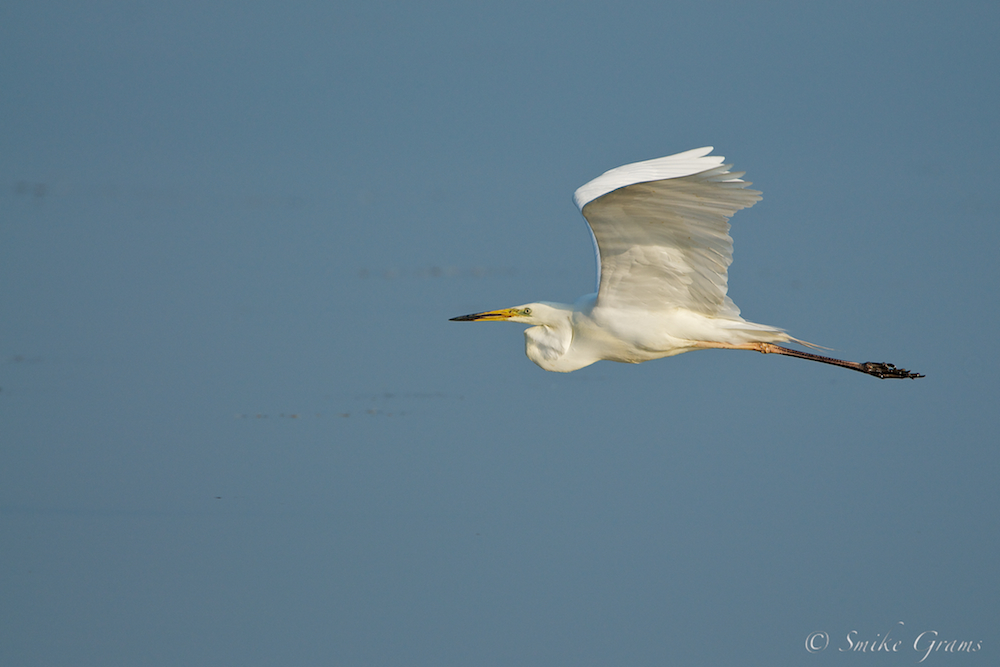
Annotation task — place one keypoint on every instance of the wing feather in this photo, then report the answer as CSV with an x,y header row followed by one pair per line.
x,y
663,241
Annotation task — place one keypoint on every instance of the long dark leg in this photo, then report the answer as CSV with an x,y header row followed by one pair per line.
x,y
869,367
879,370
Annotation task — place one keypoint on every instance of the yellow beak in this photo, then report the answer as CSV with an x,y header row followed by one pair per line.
x,y
494,315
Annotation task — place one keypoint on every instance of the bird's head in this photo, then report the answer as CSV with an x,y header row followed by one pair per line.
x,y
549,337
530,313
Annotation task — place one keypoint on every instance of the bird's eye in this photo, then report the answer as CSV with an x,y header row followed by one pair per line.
x,y
526,311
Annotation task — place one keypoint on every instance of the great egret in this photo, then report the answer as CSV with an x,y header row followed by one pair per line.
x,y
661,234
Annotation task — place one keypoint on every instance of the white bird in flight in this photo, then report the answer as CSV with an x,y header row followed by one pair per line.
x,y
661,234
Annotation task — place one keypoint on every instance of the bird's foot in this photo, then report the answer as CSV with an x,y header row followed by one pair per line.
x,y
887,371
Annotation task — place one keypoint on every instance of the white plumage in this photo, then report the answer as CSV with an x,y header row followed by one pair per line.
x,y
661,235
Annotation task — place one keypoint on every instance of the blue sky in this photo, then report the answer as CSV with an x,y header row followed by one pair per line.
x,y
238,428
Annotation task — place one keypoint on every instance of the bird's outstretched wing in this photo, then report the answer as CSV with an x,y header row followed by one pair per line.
x,y
661,232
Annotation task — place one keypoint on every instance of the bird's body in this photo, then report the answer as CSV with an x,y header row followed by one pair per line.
x,y
567,338
661,234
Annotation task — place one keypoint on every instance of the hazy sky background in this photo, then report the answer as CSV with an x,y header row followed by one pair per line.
x,y
238,429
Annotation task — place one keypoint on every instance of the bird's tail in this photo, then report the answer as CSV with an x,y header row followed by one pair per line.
x,y
808,344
